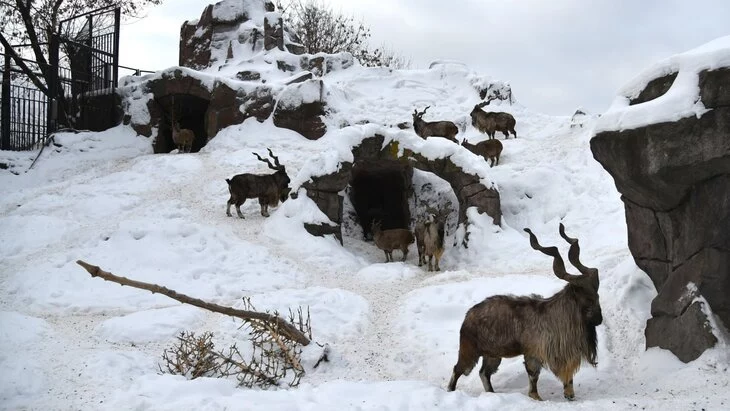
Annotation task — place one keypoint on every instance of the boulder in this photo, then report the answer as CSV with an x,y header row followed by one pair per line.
x,y
301,107
674,178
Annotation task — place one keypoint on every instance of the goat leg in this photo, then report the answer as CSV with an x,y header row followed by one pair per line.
x,y
533,367
489,367
264,208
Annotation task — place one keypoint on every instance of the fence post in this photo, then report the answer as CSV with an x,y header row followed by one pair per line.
x,y
5,114
115,73
53,86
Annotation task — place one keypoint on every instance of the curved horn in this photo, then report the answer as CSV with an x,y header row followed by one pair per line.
x,y
558,265
266,160
276,159
574,257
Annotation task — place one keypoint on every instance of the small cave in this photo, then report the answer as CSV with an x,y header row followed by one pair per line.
x,y
189,112
380,189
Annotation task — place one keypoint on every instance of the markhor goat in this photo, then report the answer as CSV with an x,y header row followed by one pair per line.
x,y
430,240
268,188
555,332
446,129
493,121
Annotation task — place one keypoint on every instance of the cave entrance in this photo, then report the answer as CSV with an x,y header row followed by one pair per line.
x,y
380,189
190,113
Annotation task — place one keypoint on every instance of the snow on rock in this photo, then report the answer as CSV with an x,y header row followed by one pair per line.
x,y
233,10
295,95
150,325
286,227
680,101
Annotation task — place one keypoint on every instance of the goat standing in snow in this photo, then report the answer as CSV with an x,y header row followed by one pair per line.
x,y
430,240
557,332
489,149
491,122
392,239
446,129
268,188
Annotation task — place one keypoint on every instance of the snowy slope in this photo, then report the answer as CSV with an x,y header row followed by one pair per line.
x,y
70,341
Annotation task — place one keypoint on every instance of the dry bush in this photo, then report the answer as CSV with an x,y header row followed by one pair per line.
x,y
275,358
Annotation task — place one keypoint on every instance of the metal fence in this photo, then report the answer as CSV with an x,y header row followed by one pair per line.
x,y
24,109
83,64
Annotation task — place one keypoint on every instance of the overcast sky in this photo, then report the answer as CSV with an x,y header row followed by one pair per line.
x,y
558,55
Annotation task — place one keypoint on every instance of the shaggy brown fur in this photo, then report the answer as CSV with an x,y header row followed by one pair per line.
x,y
183,138
433,241
392,239
268,188
489,149
555,333
446,129
492,122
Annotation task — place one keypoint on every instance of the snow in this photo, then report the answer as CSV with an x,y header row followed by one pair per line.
x,y
231,10
680,101
72,341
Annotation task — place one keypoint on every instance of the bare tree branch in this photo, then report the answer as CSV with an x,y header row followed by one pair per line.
x,y
284,327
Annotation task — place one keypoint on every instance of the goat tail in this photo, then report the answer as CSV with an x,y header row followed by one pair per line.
x,y
228,180
468,355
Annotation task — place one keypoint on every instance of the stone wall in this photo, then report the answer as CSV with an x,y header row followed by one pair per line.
x,y
469,191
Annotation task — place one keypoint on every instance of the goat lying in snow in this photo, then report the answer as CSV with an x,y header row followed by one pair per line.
x,y
430,241
555,332
392,239
268,188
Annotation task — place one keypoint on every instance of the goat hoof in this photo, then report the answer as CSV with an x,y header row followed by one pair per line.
x,y
570,397
535,396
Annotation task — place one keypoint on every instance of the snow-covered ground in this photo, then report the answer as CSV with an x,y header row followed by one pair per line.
x,y
70,341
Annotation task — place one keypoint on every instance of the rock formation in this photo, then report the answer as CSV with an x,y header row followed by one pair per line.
x,y
674,177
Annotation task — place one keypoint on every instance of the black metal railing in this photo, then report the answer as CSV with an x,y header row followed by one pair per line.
x,y
76,89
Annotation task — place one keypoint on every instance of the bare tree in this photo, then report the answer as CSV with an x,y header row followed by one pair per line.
x,y
30,24
320,29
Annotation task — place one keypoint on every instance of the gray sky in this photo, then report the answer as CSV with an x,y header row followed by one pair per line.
x,y
557,54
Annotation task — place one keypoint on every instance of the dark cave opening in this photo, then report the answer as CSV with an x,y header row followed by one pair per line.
x,y
380,189
189,112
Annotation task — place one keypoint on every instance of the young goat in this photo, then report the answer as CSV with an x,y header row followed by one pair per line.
x,y
268,188
492,122
555,332
393,239
446,129
489,149
430,241
183,138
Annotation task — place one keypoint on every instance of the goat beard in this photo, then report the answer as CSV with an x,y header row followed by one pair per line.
x,y
590,343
